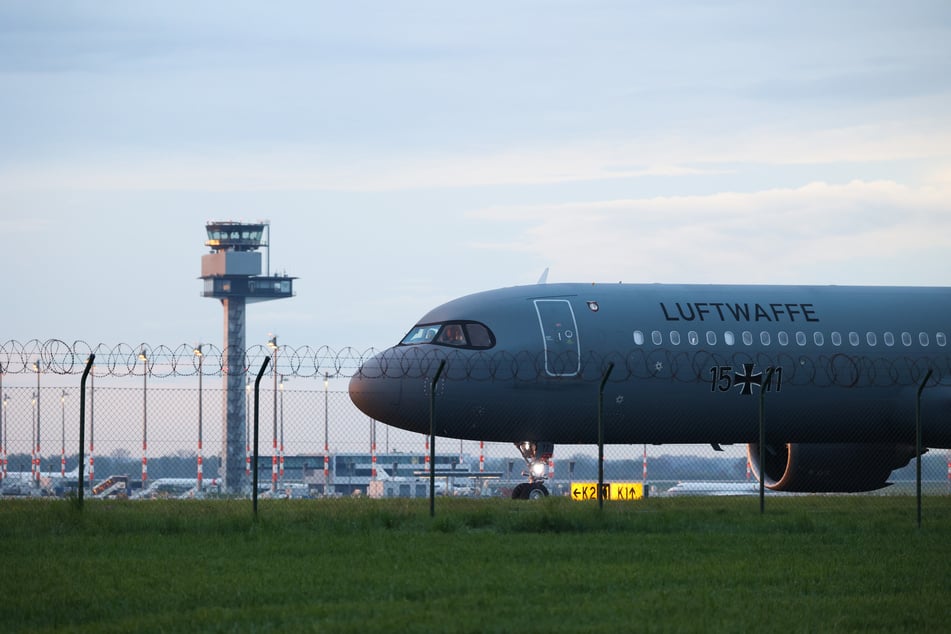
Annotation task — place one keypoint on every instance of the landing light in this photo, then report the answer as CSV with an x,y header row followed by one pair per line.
x,y
538,469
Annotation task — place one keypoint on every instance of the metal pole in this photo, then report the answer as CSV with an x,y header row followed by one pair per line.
x,y
762,451
432,439
326,439
247,426
200,474
273,344
604,380
39,459
92,425
918,441
3,442
62,451
82,426
34,478
257,403
145,418
372,450
280,469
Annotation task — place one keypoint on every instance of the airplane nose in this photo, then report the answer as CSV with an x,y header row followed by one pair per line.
x,y
373,392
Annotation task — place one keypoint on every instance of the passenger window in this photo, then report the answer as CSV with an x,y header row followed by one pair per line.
x,y
836,339
711,338
764,338
675,337
639,337
747,338
783,338
889,339
923,339
941,339
657,338
854,338
872,339
819,338
801,338
906,339
728,338
693,338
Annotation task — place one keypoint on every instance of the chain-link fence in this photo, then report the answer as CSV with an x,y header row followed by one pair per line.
x,y
155,427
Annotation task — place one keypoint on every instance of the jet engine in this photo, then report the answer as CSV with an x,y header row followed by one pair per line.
x,y
829,468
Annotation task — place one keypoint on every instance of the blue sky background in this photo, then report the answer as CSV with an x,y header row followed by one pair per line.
x,y
410,152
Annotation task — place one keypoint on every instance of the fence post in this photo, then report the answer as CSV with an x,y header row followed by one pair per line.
x,y
82,428
432,440
257,400
918,441
604,379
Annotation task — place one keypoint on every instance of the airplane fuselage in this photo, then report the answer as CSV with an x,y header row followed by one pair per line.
x,y
678,363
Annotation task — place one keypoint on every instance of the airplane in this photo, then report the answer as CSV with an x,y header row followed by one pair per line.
x,y
24,482
838,370
175,487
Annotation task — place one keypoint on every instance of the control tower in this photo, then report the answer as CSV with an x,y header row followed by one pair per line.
x,y
232,273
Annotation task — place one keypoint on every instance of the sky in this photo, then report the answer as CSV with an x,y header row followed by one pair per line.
x,y
407,153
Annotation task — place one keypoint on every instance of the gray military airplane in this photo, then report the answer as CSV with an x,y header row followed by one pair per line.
x,y
839,370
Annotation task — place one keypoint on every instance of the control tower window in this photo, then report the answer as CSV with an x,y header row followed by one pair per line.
x,y
466,334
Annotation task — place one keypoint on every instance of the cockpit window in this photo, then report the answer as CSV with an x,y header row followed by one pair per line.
x,y
479,336
463,334
420,334
451,335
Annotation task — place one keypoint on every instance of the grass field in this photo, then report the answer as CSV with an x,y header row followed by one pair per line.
x,y
358,565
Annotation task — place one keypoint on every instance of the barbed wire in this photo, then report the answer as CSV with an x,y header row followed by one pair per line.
x,y
699,365
684,366
121,360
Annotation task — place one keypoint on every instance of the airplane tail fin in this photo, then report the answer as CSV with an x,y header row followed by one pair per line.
x,y
544,278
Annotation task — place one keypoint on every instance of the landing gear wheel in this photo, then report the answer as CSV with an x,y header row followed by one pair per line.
x,y
520,492
537,491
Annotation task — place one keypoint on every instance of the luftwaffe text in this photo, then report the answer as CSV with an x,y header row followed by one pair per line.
x,y
727,311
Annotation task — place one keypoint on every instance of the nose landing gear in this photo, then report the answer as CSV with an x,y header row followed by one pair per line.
x,y
536,455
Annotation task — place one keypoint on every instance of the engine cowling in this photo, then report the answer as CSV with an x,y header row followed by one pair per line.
x,y
829,468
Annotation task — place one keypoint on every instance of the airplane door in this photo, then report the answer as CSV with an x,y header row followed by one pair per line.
x,y
559,336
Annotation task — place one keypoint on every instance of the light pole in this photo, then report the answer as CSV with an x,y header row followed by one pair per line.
x,y
62,453
36,366
372,449
326,439
92,428
6,401
3,439
282,430
200,357
34,477
145,417
247,428
272,344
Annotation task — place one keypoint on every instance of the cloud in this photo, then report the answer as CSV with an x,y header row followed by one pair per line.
x,y
816,233
292,168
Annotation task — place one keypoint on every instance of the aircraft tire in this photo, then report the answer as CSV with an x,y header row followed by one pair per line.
x,y
520,492
537,491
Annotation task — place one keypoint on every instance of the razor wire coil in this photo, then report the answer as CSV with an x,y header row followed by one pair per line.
x,y
829,369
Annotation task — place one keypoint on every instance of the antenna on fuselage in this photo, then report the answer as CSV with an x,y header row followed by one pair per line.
x,y
544,278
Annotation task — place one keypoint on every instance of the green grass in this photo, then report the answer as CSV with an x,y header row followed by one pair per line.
x,y
699,564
